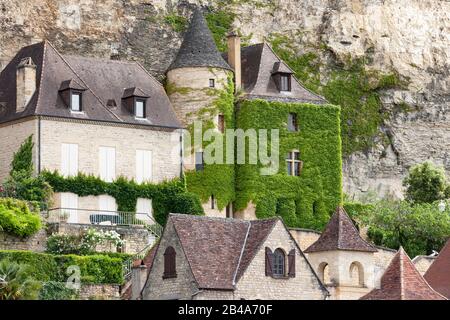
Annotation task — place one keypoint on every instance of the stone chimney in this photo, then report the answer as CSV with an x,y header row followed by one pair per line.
x,y
138,279
234,57
25,83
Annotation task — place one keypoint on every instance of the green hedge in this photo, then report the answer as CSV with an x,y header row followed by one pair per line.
x,y
16,218
167,197
306,201
98,269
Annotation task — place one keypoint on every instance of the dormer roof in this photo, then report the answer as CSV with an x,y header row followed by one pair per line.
x,y
134,92
340,234
71,84
198,48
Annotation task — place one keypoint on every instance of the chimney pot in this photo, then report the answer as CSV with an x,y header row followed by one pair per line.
x,y
234,57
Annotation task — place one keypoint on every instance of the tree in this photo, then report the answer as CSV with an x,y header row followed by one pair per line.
x,y
425,183
419,228
23,158
15,283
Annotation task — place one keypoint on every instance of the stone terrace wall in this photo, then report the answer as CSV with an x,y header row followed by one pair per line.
x,y
36,242
99,292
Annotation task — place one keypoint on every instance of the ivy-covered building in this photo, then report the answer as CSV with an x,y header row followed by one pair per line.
x,y
252,88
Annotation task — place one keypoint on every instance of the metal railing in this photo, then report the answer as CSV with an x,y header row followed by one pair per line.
x,y
104,217
128,264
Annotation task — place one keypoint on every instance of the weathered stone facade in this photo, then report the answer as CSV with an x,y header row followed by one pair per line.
x,y
422,263
36,242
99,292
183,287
304,237
12,136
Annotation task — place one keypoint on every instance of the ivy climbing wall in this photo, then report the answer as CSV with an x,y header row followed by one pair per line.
x,y
305,201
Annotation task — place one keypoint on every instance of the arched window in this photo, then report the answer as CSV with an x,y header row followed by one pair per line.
x,y
278,263
356,274
170,270
324,273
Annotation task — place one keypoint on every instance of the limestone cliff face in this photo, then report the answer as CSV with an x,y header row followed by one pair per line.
x,y
409,37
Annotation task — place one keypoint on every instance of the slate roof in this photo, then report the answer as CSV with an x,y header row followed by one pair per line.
x,y
340,234
438,274
102,80
402,281
198,48
214,246
259,62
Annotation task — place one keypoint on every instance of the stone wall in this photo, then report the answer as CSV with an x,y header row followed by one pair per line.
x,y
136,238
254,284
182,287
383,258
99,292
36,242
12,135
422,263
304,237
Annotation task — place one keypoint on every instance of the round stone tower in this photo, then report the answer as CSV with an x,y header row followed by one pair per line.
x,y
198,74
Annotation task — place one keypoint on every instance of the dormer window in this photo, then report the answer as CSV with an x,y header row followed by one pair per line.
x,y
135,101
285,82
75,101
139,108
71,92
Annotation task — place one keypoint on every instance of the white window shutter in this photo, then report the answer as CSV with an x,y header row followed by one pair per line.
x,y
147,166
107,163
73,169
70,201
102,163
65,155
111,164
107,204
139,166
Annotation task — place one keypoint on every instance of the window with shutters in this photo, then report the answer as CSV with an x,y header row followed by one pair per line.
x,y
170,270
143,166
278,268
294,165
292,122
69,159
107,165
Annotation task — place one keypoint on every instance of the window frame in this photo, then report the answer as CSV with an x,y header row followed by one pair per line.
x,y
199,166
288,87
294,127
212,83
80,100
144,105
279,267
291,163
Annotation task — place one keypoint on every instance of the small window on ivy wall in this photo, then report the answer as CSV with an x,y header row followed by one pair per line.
x,y
199,161
294,165
285,82
212,83
75,101
213,202
221,123
139,108
292,122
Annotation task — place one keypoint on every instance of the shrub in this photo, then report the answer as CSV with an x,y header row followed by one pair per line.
x,y
98,269
53,290
425,183
23,158
16,283
17,219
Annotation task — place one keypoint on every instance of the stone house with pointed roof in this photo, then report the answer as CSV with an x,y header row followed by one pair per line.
x,y
218,258
83,113
402,281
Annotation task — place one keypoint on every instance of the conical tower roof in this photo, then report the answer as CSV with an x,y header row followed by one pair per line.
x,y
198,48
402,281
340,234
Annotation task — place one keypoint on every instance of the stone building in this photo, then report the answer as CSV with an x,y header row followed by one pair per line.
x,y
402,281
343,260
107,118
218,258
438,274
